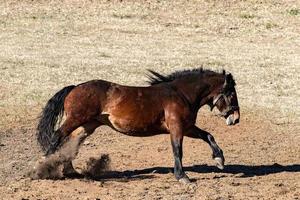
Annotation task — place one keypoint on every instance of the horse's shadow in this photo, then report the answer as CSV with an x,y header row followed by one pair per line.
x,y
241,171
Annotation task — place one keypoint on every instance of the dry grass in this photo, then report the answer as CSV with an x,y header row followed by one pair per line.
x,y
46,45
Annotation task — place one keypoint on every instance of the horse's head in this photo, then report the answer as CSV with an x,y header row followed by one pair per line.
x,y
194,83
226,101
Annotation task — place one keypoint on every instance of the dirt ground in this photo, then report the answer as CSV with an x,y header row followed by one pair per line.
x,y
46,45
262,162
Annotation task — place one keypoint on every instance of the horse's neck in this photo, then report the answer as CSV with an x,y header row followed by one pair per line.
x,y
196,92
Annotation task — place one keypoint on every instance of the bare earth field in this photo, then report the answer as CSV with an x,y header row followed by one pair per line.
x,y
46,45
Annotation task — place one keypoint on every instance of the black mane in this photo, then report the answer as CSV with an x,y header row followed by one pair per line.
x,y
156,78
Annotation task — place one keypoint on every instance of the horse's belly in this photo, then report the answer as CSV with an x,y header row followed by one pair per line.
x,y
134,127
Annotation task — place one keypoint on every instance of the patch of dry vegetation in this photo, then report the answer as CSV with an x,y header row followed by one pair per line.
x,y
46,45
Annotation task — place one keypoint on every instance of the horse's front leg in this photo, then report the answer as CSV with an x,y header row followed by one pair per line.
x,y
176,141
196,132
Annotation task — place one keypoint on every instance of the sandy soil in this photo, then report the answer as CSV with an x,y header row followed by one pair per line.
x,y
46,45
262,162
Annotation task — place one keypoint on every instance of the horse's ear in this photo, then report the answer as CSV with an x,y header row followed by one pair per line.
x,y
223,72
228,80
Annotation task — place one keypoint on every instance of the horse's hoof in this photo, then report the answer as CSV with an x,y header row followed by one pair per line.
x,y
219,162
184,180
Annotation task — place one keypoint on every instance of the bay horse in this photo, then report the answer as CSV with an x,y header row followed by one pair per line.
x,y
169,105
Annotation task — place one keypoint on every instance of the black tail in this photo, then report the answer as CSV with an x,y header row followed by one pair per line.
x,y
53,111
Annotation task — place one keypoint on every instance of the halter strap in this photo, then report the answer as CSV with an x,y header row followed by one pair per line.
x,y
229,107
218,98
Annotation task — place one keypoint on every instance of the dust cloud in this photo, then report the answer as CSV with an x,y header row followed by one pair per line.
x,y
51,166
96,167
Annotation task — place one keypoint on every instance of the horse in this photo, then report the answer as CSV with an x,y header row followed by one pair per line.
x,y
169,105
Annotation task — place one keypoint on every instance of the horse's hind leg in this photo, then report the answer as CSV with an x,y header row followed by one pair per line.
x,y
61,135
73,140
77,137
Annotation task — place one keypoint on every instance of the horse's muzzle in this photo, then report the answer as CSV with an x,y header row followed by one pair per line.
x,y
233,119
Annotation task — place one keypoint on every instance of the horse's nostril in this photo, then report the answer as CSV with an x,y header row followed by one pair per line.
x,y
236,120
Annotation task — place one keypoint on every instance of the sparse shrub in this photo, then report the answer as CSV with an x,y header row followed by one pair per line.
x,y
294,11
122,16
247,16
271,25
